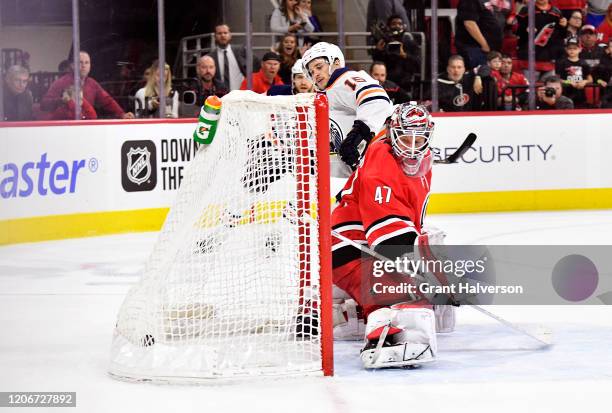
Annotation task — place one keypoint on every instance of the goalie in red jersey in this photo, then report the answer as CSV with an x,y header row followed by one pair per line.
x,y
383,205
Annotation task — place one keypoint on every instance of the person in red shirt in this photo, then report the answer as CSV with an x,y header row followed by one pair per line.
x,y
604,30
67,109
93,93
569,6
267,75
506,77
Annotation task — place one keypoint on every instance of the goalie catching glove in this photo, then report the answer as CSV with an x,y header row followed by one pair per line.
x,y
349,148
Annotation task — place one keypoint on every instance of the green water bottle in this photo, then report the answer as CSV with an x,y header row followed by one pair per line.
x,y
208,120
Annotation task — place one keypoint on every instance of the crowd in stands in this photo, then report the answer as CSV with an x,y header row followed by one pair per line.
x,y
488,68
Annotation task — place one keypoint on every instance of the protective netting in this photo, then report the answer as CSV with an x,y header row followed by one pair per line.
x,y
231,288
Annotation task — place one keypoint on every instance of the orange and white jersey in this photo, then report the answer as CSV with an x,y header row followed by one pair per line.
x,y
355,96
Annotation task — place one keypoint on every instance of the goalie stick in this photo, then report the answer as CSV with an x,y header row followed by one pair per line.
x,y
544,337
467,144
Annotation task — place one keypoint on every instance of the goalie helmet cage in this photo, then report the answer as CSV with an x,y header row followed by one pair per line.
x,y
239,281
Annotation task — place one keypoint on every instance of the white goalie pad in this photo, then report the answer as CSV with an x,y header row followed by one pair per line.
x,y
399,336
348,324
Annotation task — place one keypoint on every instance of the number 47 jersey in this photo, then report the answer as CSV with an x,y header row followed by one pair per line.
x,y
380,204
355,96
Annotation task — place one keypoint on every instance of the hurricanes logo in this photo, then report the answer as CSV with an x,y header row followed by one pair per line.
x,y
461,99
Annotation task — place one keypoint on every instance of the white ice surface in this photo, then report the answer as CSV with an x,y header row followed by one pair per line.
x,y
59,301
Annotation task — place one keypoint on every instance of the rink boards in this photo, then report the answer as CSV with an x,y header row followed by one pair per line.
x,y
61,180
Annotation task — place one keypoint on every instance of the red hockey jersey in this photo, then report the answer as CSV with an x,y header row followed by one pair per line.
x,y
380,204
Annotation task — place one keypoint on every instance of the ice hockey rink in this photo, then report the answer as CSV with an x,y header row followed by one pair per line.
x,y
59,301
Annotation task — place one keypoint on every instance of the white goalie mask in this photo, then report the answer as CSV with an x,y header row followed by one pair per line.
x,y
410,129
328,51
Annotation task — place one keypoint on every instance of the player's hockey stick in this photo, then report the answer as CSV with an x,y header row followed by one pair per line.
x,y
543,337
467,144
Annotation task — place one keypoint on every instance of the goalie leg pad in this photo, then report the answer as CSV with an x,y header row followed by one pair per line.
x,y
399,336
348,320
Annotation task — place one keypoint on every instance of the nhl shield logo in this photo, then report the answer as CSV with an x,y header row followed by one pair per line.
x,y
138,166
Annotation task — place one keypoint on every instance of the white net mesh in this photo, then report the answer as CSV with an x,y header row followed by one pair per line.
x,y
231,288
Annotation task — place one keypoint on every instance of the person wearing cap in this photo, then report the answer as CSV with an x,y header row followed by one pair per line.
x,y
267,75
574,72
604,30
592,52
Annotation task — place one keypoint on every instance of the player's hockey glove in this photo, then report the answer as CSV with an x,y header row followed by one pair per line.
x,y
349,152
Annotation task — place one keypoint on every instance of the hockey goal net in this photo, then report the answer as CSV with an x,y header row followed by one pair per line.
x,y
239,281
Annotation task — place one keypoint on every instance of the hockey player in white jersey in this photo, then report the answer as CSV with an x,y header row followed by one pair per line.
x,y
358,104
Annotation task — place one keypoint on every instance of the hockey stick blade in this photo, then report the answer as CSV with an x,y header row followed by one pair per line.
x,y
467,144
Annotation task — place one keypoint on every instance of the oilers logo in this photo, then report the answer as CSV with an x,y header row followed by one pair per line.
x,y
335,134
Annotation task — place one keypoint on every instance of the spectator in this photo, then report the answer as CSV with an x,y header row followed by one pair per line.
x,y
397,50
592,51
378,71
148,96
485,84
289,18
549,36
603,76
510,40
234,72
568,7
502,10
289,53
477,32
66,111
92,92
604,30
306,7
596,11
574,23
550,96
574,72
267,75
206,83
509,100
455,87
379,12
65,66
17,99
